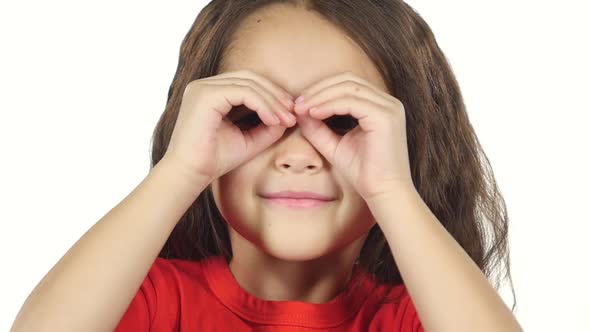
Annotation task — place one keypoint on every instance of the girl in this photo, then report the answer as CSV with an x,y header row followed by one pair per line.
x,y
314,168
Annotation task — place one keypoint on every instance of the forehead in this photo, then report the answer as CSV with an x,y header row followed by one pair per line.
x,y
294,48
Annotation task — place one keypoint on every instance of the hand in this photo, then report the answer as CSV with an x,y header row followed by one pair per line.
x,y
206,142
373,156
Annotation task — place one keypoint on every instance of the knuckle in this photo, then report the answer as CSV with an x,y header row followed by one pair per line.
x,y
248,73
400,111
257,82
392,98
191,87
246,80
249,89
349,75
250,82
256,79
353,86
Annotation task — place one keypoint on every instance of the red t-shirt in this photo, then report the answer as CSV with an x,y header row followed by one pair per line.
x,y
181,295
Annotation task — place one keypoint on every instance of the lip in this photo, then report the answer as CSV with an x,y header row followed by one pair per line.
x,y
289,194
297,199
297,202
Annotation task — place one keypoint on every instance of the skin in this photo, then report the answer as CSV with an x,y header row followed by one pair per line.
x,y
281,253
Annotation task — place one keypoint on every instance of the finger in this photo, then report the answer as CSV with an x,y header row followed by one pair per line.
x,y
319,135
346,76
234,95
349,105
277,90
261,137
286,117
339,90
281,94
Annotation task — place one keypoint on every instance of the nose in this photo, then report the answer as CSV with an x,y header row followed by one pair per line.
x,y
296,154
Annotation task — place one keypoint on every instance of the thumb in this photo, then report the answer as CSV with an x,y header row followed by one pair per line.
x,y
261,137
319,135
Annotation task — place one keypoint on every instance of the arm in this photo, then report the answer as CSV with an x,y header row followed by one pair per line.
x,y
91,286
449,291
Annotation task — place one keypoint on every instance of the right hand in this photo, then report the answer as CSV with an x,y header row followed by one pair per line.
x,y
205,144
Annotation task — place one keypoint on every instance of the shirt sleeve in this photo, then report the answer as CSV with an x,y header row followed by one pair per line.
x,y
398,316
156,305
142,309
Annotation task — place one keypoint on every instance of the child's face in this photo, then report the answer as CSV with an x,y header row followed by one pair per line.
x,y
294,49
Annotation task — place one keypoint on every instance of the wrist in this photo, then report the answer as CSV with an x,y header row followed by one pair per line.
x,y
181,175
391,194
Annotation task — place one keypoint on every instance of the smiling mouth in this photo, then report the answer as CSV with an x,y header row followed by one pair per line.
x,y
296,202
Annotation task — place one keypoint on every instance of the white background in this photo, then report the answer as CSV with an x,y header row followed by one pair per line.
x,y
82,85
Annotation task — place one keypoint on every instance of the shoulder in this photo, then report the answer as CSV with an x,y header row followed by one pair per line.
x,y
161,295
174,270
170,278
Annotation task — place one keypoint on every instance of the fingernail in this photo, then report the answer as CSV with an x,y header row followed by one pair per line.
x,y
299,100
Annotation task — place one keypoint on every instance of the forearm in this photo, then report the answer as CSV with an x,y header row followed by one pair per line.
x,y
91,286
449,291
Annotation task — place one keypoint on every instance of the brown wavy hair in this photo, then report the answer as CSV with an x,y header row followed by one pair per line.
x,y
449,169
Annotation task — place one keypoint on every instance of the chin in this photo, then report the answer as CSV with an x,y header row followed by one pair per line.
x,y
286,242
298,246
298,250
295,253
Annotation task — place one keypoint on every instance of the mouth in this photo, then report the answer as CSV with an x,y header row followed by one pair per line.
x,y
296,202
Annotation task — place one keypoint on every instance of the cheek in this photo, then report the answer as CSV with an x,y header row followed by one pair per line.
x,y
232,193
219,187
235,180
356,217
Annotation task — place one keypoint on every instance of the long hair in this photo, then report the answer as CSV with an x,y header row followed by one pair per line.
x,y
449,169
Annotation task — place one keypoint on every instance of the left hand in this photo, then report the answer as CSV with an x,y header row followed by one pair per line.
x,y
373,156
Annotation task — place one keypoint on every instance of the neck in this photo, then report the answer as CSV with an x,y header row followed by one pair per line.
x,y
316,280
